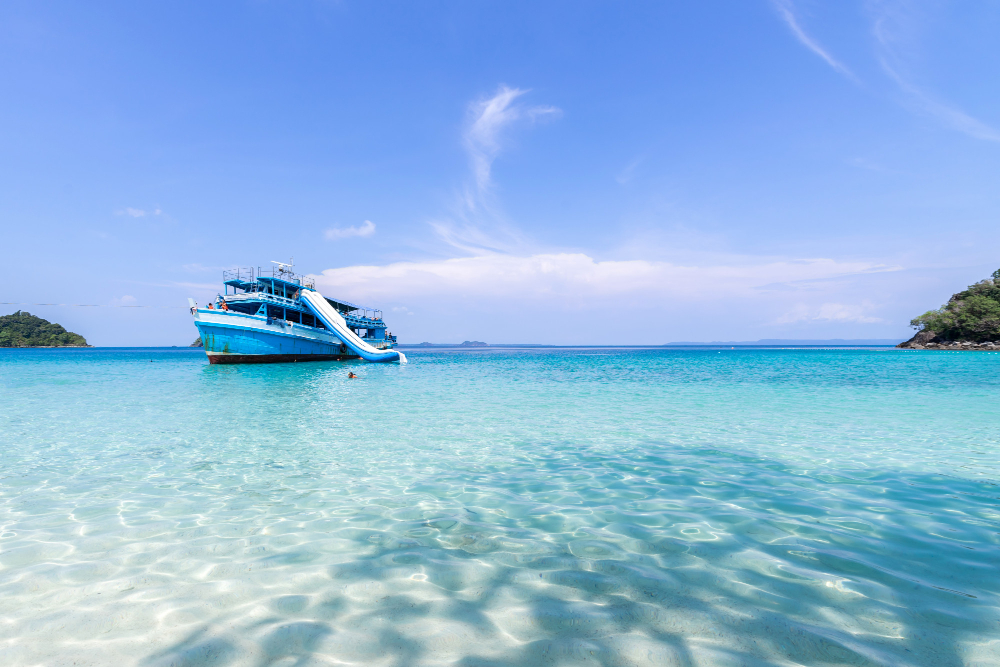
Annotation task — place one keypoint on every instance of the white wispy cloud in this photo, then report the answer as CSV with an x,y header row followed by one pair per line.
x,y
950,116
476,223
578,277
367,228
786,10
488,120
892,23
870,165
893,27
499,270
626,174
126,300
138,212
830,312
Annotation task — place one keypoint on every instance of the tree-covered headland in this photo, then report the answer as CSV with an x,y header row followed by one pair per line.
x,y
971,316
23,329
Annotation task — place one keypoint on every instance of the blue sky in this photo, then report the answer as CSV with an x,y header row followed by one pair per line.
x,y
551,172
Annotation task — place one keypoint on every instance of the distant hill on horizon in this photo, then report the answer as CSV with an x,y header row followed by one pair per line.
x,y
468,343
800,341
762,341
22,329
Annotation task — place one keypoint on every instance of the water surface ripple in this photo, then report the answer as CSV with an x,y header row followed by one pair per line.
x,y
540,507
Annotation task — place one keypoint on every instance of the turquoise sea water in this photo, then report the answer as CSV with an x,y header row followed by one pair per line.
x,y
540,507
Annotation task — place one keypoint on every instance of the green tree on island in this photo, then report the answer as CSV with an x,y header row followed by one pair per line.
x,y
22,329
971,315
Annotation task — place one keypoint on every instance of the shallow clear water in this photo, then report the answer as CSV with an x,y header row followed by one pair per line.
x,y
603,507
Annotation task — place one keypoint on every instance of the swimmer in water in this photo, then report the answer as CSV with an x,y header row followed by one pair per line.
x,y
352,376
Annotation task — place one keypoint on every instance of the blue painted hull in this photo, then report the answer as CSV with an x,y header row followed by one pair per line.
x,y
236,345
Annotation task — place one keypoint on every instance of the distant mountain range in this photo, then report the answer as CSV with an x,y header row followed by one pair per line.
x,y
800,341
468,343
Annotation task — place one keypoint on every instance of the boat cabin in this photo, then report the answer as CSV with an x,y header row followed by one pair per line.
x,y
274,294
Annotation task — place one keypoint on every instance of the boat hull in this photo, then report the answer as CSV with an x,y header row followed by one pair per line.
x,y
234,338
273,358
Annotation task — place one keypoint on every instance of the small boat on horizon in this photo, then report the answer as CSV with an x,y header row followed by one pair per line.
x,y
281,317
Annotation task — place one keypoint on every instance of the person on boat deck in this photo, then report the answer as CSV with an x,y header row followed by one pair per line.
x,y
223,305
210,307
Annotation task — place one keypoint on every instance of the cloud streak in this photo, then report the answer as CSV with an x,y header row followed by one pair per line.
x,y
887,29
138,212
786,10
488,120
499,273
830,312
578,277
124,301
364,230
887,19
628,173
476,223
949,116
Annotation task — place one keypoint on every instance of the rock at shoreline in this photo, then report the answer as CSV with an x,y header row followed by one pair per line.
x,y
969,321
953,345
197,342
922,339
22,329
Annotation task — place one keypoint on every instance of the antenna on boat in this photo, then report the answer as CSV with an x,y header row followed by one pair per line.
x,y
283,267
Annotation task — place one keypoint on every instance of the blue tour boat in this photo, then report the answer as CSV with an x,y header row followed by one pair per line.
x,y
281,317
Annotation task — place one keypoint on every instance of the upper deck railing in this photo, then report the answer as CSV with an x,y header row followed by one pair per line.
x,y
366,314
239,274
249,276
248,279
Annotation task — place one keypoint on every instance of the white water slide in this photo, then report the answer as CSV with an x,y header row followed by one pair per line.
x,y
335,322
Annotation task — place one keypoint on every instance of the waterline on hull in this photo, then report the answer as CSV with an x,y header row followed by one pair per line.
x,y
216,358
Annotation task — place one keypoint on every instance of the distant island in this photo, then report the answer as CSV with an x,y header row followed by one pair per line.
x,y
797,342
969,321
468,343
22,329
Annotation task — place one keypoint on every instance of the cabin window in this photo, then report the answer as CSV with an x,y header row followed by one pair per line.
x,y
308,320
293,316
275,312
248,308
